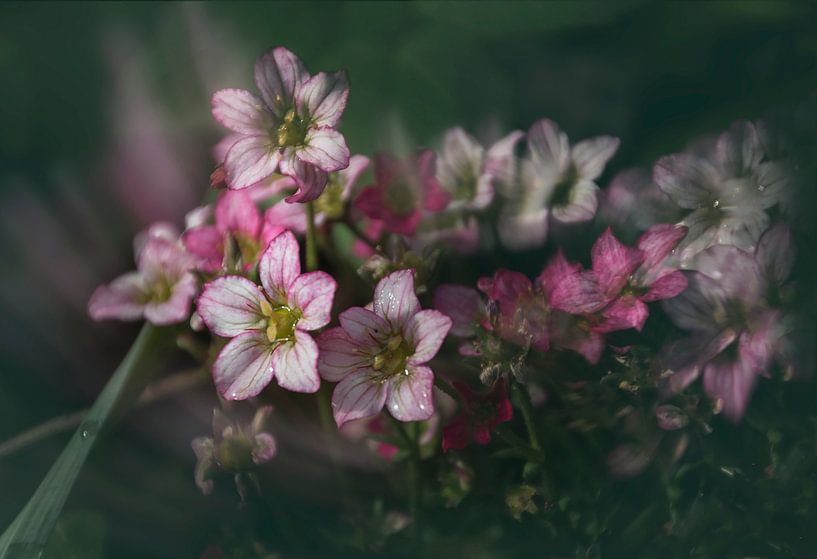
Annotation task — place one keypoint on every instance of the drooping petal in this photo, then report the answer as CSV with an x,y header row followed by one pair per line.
x,y
394,298
323,98
280,265
613,263
244,367
122,299
239,111
312,294
410,396
325,148
363,325
462,305
295,363
357,396
278,76
665,287
426,331
236,212
581,205
548,145
177,307
590,156
250,160
310,180
230,306
688,180
340,355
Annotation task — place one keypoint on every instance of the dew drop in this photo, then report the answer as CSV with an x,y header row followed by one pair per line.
x,y
716,203
761,187
89,428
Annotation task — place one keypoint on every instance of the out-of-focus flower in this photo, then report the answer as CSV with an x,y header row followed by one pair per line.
x,y
235,448
522,311
632,200
237,220
630,277
330,205
480,414
162,288
292,128
463,305
555,180
403,189
270,325
378,357
727,189
732,309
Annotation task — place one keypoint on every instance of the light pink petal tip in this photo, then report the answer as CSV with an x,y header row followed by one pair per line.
x,y
250,160
230,305
244,367
426,331
313,294
394,297
410,397
239,111
356,397
280,265
118,300
296,364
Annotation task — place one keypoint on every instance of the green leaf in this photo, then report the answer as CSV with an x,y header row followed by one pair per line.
x,y
29,532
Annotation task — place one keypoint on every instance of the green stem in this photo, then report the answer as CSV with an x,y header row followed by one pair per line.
x,y
525,406
446,387
311,239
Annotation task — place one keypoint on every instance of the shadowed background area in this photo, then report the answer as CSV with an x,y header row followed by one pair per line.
x,y
106,127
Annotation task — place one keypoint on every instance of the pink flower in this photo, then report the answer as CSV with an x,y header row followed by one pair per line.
x,y
237,220
402,191
291,129
480,414
555,180
521,310
269,325
378,357
162,288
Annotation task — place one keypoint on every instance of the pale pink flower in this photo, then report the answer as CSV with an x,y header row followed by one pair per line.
x,y
269,325
403,190
555,181
237,220
160,290
633,201
378,357
291,129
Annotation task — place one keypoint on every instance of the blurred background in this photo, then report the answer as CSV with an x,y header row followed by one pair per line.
x,y
106,127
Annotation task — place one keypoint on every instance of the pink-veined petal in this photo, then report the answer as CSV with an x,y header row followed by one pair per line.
x,y
426,331
312,293
230,306
309,179
244,367
250,160
295,363
357,396
177,307
323,98
394,298
666,287
658,242
410,396
286,215
340,354
279,74
205,242
568,288
119,300
590,156
688,180
280,265
462,305
236,212
239,111
613,263
363,325
625,312
325,148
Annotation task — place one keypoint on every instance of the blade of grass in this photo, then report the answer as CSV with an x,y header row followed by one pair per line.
x,y
28,533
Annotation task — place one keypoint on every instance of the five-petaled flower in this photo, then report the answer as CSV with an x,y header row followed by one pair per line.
x,y
162,288
378,357
291,129
480,414
269,325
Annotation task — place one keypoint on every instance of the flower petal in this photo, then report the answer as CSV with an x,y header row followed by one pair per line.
x,y
309,179
665,287
325,148
462,305
357,396
205,242
340,355
523,230
590,156
119,300
688,180
296,363
239,111
230,306
568,288
363,326
426,331
250,160
624,313
582,204
657,243
738,149
236,212
323,98
278,76
774,253
280,265
732,382
286,215
613,263
244,367
410,396
312,294
177,307
548,145
394,298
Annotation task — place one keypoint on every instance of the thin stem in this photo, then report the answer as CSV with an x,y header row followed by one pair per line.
x,y
358,233
311,238
525,406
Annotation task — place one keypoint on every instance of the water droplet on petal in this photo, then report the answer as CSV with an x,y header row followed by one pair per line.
x,y
716,203
89,428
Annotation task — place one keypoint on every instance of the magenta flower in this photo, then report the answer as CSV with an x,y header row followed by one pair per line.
x,y
237,220
378,357
402,191
522,311
480,414
291,129
630,277
555,180
269,325
162,288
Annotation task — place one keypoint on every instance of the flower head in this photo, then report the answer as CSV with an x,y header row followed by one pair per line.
x,y
160,290
269,325
555,180
291,129
403,190
378,357
479,415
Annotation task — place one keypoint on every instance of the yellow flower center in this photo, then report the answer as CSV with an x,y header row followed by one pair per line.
x,y
281,321
391,360
292,130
